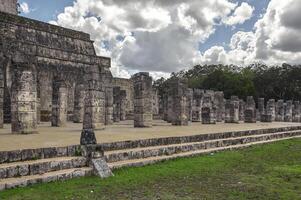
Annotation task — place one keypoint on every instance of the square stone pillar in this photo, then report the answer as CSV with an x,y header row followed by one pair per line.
x,y
143,106
116,104
122,105
197,105
208,109
220,105
165,106
242,106
94,112
232,111
288,111
59,103
1,94
109,105
24,99
250,111
280,111
296,111
271,110
189,97
261,108
79,105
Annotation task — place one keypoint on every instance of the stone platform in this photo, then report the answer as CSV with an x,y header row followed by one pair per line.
x,y
64,136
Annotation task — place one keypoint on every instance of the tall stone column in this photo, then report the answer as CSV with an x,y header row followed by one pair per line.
x,y
208,109
94,112
165,106
280,110
296,111
109,105
1,93
45,87
169,108
116,104
23,99
143,111
261,108
79,105
189,98
220,105
197,105
232,111
242,106
270,110
122,105
288,111
250,111
59,103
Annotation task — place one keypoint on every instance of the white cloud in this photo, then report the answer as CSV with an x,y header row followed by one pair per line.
x,y
24,8
160,36
240,15
275,39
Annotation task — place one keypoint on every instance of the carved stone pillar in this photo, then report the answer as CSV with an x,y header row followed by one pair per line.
x,y
280,110
109,106
122,105
250,111
197,105
79,106
23,99
1,93
208,109
296,111
143,108
270,110
116,104
288,111
232,111
220,105
59,103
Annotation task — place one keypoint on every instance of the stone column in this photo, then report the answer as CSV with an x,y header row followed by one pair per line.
x,y
270,110
250,111
296,111
189,98
261,108
155,102
197,105
94,114
232,111
143,111
109,105
116,104
1,95
289,111
79,105
242,105
23,99
45,85
280,110
220,105
208,110
59,103
169,109
165,106
122,105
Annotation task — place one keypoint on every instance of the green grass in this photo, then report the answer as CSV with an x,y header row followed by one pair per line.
x,y
271,171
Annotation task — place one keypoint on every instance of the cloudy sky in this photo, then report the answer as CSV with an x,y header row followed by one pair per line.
x,y
164,36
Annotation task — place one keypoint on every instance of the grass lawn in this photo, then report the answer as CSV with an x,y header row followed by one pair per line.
x,y
271,171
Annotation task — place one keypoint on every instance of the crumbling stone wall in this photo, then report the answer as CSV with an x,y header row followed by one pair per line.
x,y
9,6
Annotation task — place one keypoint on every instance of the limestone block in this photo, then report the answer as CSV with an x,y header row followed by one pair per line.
x,y
101,168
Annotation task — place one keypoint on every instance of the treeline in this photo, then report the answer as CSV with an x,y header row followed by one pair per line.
x,y
258,80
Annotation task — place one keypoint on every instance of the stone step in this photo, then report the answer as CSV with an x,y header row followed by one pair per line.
x,y
153,160
191,138
154,151
41,166
60,175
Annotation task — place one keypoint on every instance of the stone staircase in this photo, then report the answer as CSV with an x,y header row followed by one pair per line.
x,y
42,170
26,167
149,154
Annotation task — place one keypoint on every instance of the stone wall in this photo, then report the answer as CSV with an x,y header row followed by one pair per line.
x,y
9,6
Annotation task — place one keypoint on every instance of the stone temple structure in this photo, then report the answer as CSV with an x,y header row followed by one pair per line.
x,y
41,66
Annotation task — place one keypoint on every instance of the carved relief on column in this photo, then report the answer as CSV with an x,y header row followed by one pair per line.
x,y
79,106
59,103
250,111
23,99
109,106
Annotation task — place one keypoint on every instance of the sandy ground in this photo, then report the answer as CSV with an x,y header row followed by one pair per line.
x,y
62,136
